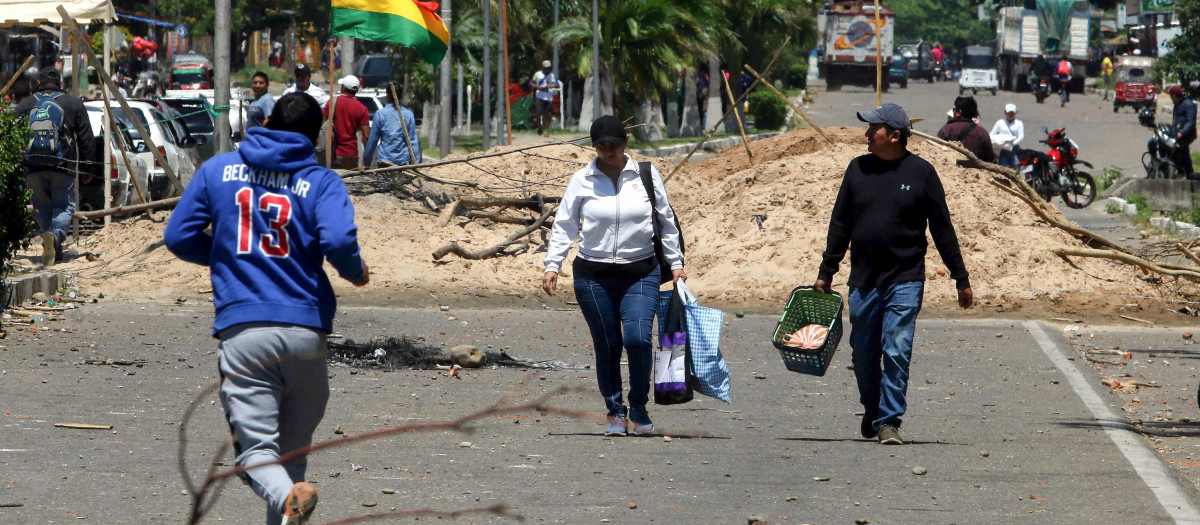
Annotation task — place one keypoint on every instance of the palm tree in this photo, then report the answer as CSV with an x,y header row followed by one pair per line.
x,y
643,46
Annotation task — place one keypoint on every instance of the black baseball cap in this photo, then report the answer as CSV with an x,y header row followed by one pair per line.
x,y
890,114
608,129
302,69
49,76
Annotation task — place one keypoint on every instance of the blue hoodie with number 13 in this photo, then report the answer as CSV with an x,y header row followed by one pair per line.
x,y
275,216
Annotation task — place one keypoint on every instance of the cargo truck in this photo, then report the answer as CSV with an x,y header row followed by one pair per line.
x,y
850,40
1053,28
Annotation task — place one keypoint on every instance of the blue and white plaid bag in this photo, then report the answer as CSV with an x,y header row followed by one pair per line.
x,y
704,344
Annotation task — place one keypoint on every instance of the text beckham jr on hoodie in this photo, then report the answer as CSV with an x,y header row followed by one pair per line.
x,y
276,215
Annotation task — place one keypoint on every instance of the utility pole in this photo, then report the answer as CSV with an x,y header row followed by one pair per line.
x,y
223,132
562,116
595,59
347,45
444,98
487,74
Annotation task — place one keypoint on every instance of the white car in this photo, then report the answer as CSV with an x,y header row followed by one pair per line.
x,y
169,143
92,191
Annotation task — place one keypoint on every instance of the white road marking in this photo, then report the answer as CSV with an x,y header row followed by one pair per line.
x,y
1145,462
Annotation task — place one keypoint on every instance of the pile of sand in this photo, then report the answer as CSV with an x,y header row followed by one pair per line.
x,y
731,261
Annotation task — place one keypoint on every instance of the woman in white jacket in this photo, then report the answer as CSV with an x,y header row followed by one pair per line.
x,y
617,273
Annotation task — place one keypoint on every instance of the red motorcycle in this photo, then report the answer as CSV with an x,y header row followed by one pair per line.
x,y
1054,173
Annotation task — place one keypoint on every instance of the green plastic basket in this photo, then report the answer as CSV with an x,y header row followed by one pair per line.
x,y
807,306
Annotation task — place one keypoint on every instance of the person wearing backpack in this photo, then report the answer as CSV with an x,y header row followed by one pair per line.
x,y
1064,81
962,128
618,208
61,137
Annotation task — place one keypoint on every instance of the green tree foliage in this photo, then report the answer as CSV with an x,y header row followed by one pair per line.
x,y
953,23
16,223
1183,63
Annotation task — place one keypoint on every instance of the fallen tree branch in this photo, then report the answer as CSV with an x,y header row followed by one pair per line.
x,y
1188,253
97,214
1193,275
491,252
416,167
497,216
1079,233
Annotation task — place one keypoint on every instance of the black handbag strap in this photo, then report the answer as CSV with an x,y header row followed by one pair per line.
x,y
648,182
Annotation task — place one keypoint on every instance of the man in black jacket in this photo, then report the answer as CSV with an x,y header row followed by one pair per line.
x,y
962,128
1184,119
887,200
53,158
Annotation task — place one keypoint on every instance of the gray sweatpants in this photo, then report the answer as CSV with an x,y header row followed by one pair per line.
x,y
274,389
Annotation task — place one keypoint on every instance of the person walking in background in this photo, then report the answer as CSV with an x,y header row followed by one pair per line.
x,y
886,201
1106,75
617,273
263,104
1064,81
543,82
387,134
304,84
351,124
275,217
1009,125
1184,119
62,135
962,128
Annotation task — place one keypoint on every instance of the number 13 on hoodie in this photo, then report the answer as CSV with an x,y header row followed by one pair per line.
x,y
273,243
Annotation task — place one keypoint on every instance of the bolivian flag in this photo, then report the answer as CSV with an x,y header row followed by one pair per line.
x,y
405,22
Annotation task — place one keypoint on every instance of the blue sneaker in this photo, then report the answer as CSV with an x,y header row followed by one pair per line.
x,y
641,421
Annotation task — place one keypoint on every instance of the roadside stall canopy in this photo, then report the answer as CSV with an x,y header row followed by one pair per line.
x,y
37,11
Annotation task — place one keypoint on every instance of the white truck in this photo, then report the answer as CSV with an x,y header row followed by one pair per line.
x,y
1056,29
851,38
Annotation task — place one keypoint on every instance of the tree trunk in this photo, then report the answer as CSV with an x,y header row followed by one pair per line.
x,y
606,101
690,120
649,116
713,113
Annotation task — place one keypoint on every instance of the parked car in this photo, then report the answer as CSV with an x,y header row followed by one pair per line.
x,y
166,137
375,70
198,117
920,60
91,187
189,144
237,102
373,98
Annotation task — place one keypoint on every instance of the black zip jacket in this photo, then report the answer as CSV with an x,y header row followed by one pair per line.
x,y
881,213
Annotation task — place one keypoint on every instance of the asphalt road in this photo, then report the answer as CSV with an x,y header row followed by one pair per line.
x,y
1105,138
993,418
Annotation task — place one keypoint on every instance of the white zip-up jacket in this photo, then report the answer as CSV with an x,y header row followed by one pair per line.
x,y
612,221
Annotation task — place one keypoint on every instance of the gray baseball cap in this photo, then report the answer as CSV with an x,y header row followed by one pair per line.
x,y
890,114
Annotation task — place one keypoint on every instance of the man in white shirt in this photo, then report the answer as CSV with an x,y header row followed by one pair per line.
x,y
304,85
543,83
1009,126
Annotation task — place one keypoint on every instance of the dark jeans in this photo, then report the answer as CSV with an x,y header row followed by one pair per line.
x,y
620,313
53,199
1183,160
882,324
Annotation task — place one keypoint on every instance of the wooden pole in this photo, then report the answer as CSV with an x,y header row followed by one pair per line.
x,y
741,129
137,123
801,112
329,144
112,128
878,59
108,156
18,74
504,91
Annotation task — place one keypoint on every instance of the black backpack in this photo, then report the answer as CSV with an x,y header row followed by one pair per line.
x,y
664,265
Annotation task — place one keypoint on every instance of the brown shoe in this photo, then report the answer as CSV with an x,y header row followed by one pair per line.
x,y
49,253
889,435
300,503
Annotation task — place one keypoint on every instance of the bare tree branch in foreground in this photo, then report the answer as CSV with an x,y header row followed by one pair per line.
x,y
204,496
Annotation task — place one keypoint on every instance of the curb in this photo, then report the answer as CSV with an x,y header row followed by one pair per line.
x,y
21,288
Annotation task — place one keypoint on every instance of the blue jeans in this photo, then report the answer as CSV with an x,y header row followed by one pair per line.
x,y
620,313
882,324
53,200
1008,159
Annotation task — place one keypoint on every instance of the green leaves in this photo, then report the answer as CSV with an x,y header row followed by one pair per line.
x,y
1183,63
16,222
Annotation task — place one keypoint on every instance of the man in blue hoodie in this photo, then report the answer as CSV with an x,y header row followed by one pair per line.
x,y
276,215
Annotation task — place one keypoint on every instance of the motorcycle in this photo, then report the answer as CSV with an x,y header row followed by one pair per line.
x,y
1160,153
1054,173
938,71
1041,91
